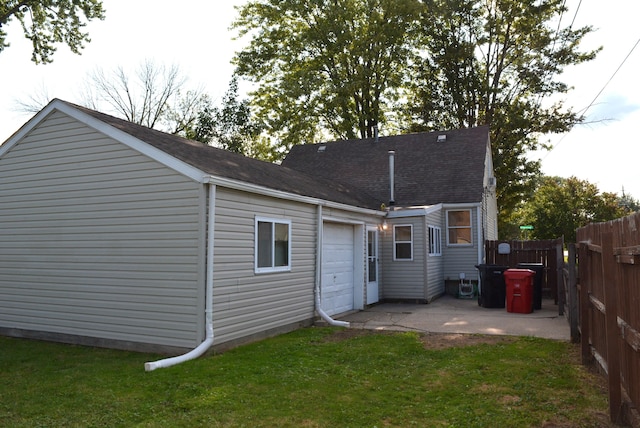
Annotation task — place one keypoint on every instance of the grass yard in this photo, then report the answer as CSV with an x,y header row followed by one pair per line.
x,y
315,377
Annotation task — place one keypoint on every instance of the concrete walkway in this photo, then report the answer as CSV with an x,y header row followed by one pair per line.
x,y
450,315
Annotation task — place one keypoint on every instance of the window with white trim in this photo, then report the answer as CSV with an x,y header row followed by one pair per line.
x,y
435,241
459,227
273,245
403,242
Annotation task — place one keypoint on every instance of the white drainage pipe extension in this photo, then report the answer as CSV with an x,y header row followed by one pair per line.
x,y
206,344
319,309
326,316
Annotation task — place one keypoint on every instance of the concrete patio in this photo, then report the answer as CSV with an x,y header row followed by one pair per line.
x,y
448,314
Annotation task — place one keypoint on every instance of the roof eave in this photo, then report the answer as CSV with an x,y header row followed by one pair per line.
x,y
279,194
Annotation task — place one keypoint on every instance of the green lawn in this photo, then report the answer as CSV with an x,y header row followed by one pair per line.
x,y
315,377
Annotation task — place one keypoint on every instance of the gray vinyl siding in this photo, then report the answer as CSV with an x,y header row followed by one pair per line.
x,y
435,264
461,258
404,279
98,240
491,217
490,202
246,303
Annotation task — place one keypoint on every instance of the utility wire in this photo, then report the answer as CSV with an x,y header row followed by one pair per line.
x,y
547,75
611,78
584,110
575,14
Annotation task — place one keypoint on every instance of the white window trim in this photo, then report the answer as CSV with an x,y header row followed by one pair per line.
x,y
454,244
271,268
395,258
437,233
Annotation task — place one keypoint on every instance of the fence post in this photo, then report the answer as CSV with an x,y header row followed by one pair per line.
x,y
584,261
611,321
573,294
559,276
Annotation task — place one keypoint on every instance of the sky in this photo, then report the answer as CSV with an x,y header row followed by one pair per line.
x,y
195,35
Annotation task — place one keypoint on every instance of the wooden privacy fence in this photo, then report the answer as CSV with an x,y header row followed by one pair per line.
x,y
548,252
608,288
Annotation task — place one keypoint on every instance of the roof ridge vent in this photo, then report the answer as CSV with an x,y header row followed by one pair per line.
x,y
442,138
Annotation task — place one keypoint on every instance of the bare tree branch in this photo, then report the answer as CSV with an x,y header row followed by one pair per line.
x,y
145,99
33,103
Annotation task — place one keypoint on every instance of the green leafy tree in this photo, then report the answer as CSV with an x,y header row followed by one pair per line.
x,y
629,202
233,127
496,62
561,205
47,22
337,68
326,68
185,116
230,126
200,128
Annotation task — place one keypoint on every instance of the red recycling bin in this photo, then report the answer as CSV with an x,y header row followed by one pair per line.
x,y
519,284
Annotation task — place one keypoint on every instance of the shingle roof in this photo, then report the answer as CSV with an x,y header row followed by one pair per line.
x,y
427,172
222,163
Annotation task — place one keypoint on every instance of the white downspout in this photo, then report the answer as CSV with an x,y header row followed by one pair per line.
x,y
208,306
392,178
319,309
481,259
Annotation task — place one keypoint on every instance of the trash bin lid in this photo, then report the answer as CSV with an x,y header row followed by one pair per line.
x,y
518,273
532,265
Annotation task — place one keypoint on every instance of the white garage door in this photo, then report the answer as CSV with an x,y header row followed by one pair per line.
x,y
337,268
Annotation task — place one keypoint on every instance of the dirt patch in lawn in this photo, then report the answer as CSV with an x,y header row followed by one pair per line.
x,y
429,340
456,340
351,333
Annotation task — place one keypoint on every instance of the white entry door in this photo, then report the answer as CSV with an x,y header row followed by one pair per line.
x,y
372,266
337,268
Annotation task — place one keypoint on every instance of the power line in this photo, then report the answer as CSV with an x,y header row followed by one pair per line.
x,y
547,74
584,110
611,78
575,14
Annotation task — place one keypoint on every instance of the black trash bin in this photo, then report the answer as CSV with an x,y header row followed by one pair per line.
x,y
538,268
492,291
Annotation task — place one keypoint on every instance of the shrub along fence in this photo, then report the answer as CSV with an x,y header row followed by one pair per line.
x,y
608,292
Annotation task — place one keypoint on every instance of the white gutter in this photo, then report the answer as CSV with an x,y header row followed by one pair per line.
x,y
414,211
208,306
319,309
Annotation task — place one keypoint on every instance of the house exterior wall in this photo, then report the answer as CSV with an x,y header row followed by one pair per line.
x,y
490,219
97,241
434,264
461,258
490,200
246,303
404,279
